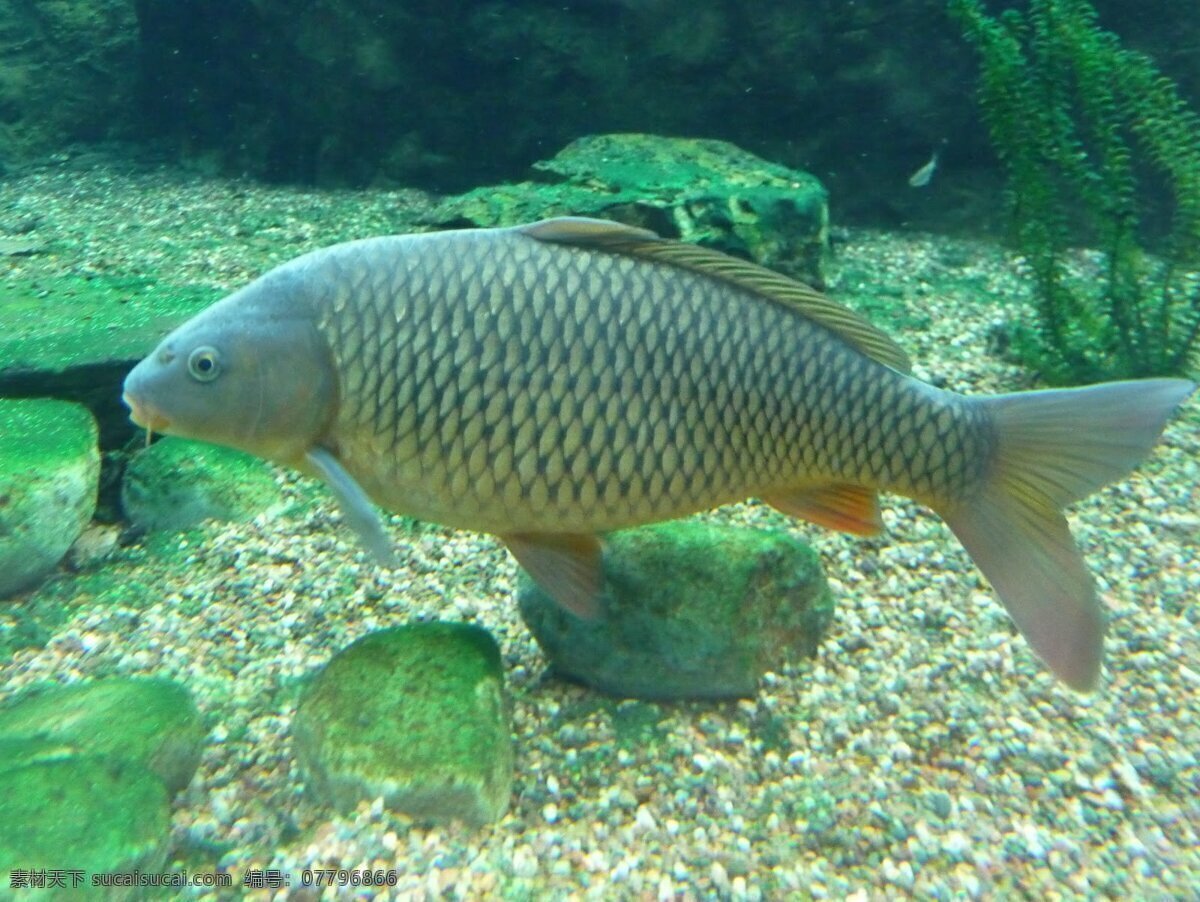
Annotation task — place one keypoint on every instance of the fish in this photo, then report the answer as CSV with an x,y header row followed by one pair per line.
x,y
924,175
551,382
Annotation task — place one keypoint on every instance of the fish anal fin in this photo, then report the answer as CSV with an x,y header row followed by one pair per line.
x,y
840,506
565,565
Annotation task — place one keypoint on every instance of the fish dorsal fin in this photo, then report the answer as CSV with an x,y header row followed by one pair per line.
x,y
613,237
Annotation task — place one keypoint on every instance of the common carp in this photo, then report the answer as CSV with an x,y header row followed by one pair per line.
x,y
551,382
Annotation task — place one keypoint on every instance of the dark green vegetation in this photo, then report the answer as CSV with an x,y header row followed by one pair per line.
x,y
67,72
457,93
1082,125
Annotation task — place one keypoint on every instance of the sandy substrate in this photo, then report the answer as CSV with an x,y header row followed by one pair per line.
x,y
925,750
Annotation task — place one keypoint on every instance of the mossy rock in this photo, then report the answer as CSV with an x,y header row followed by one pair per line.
x,y
146,723
688,610
49,475
54,324
415,714
703,191
178,483
76,337
81,815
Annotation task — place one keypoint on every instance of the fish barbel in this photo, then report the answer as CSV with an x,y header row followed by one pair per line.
x,y
551,382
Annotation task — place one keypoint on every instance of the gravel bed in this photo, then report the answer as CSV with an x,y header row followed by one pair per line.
x,y
924,751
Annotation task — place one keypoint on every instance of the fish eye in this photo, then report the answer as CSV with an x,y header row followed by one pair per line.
x,y
204,364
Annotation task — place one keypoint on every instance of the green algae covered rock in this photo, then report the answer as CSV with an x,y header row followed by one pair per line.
x,y
76,336
177,483
49,474
688,610
150,724
414,714
703,191
83,815
86,776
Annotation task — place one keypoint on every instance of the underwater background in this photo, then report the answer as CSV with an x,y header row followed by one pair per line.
x,y
204,679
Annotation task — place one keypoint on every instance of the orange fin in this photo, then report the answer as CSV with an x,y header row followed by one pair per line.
x,y
840,506
566,566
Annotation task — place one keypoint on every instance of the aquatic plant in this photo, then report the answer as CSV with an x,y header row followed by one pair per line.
x,y
1081,125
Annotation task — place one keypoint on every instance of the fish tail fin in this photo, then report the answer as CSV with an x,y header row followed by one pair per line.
x,y
1052,449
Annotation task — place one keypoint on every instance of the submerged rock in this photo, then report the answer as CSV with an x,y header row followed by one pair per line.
x,y
86,776
703,191
149,724
83,815
176,483
75,337
688,610
414,714
49,474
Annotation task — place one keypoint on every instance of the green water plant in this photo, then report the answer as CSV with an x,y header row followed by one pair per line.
x,y
1088,132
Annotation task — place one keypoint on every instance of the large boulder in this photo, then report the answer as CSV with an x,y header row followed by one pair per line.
x,y
415,715
688,610
76,336
78,815
86,776
703,191
149,724
49,474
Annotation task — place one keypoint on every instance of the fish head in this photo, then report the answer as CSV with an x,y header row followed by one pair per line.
x,y
251,372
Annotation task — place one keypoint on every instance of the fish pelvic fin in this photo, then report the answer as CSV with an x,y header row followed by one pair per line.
x,y
1052,449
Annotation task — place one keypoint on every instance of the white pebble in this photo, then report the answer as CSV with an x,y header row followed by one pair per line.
x,y
720,877
644,820
524,862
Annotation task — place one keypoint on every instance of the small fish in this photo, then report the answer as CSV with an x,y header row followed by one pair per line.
x,y
924,175
552,382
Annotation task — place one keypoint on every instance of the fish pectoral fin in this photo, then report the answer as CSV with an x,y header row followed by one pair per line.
x,y
840,506
565,565
356,507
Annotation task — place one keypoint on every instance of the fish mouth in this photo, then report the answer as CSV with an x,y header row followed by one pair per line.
x,y
145,416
